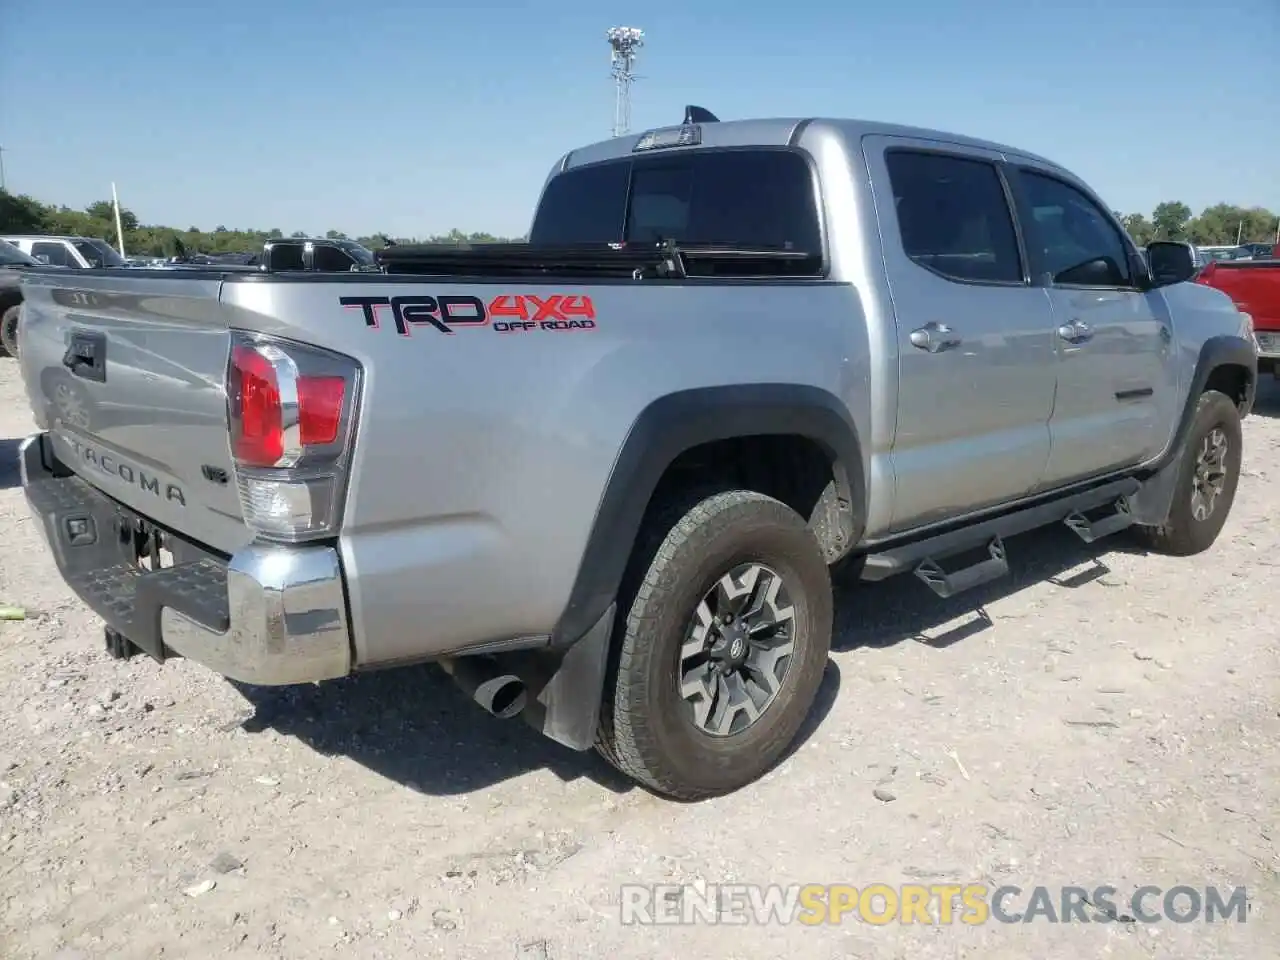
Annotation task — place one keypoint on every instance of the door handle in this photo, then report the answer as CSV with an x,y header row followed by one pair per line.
x,y
934,337
1075,332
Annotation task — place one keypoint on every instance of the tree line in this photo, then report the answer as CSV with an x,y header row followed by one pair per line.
x,y
1219,225
1222,223
21,214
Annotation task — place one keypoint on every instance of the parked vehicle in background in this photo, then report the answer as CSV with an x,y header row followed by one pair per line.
x,y
1260,251
12,264
602,477
79,253
322,255
1214,253
1254,287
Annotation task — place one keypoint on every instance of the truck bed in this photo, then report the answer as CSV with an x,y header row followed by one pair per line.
x,y
1254,285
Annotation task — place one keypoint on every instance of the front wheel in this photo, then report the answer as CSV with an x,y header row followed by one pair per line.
x,y
721,650
1207,480
9,330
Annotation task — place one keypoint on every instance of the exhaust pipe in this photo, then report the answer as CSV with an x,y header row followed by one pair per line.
x,y
501,694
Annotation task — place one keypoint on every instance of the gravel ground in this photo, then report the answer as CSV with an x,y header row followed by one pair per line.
x,y
1113,719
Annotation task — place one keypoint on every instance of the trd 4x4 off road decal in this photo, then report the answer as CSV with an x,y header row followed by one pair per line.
x,y
506,313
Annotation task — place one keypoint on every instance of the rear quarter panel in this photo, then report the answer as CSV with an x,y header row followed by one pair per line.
x,y
481,456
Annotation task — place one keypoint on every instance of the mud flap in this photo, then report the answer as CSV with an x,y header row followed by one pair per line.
x,y
567,707
1150,506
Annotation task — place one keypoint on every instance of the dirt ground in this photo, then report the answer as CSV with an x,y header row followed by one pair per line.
x,y
1113,718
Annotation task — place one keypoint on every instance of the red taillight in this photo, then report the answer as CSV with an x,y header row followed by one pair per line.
x,y
320,409
291,410
257,412
257,428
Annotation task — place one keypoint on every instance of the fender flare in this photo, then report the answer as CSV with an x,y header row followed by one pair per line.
x,y
677,422
1220,351
1151,505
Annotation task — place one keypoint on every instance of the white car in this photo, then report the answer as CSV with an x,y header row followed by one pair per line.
x,y
78,253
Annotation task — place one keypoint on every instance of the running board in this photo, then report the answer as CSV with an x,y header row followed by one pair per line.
x,y
947,585
894,558
1091,530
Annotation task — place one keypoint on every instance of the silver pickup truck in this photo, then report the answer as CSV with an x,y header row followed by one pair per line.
x,y
604,477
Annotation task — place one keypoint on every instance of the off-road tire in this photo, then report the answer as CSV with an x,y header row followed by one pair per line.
x,y
683,550
1182,534
9,330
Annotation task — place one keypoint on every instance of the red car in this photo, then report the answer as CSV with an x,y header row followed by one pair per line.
x,y
1254,285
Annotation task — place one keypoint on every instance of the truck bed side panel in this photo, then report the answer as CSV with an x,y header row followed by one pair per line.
x,y
482,454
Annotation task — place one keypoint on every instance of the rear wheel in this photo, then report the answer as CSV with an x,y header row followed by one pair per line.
x,y
722,647
1207,480
9,330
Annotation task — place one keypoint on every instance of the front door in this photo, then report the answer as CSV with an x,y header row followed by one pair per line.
x,y
1116,376
975,338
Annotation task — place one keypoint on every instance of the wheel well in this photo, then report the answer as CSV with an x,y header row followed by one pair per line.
x,y
791,468
9,298
1230,379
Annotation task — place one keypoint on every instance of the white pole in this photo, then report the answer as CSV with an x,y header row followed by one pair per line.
x,y
1239,233
115,202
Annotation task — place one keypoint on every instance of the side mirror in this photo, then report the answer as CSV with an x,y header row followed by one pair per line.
x,y
1171,262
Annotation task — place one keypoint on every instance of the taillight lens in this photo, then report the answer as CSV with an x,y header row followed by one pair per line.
x,y
257,423
320,409
291,410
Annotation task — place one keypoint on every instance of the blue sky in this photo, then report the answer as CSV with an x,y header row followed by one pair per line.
x,y
416,117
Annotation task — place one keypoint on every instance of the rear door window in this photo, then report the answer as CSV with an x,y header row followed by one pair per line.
x,y
287,256
329,259
54,253
953,217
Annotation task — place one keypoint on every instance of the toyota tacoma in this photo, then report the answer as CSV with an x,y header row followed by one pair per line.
x,y
605,478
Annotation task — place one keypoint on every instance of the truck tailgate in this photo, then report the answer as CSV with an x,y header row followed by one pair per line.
x,y
128,375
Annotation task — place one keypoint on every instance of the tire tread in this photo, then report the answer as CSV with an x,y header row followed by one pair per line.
x,y
677,529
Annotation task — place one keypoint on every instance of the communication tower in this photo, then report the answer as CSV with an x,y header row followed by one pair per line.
x,y
624,44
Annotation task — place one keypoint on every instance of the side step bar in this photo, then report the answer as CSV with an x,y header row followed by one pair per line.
x,y
1091,530
922,556
949,584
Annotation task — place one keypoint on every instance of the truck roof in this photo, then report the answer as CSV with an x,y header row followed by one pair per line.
x,y
311,240
781,131
74,238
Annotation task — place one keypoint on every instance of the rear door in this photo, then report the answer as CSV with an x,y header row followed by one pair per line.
x,y
1116,379
976,355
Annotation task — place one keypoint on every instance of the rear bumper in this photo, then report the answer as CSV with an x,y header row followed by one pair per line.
x,y
268,615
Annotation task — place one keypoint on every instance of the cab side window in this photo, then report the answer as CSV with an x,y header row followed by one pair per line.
x,y
329,259
55,253
1070,237
953,217
287,256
